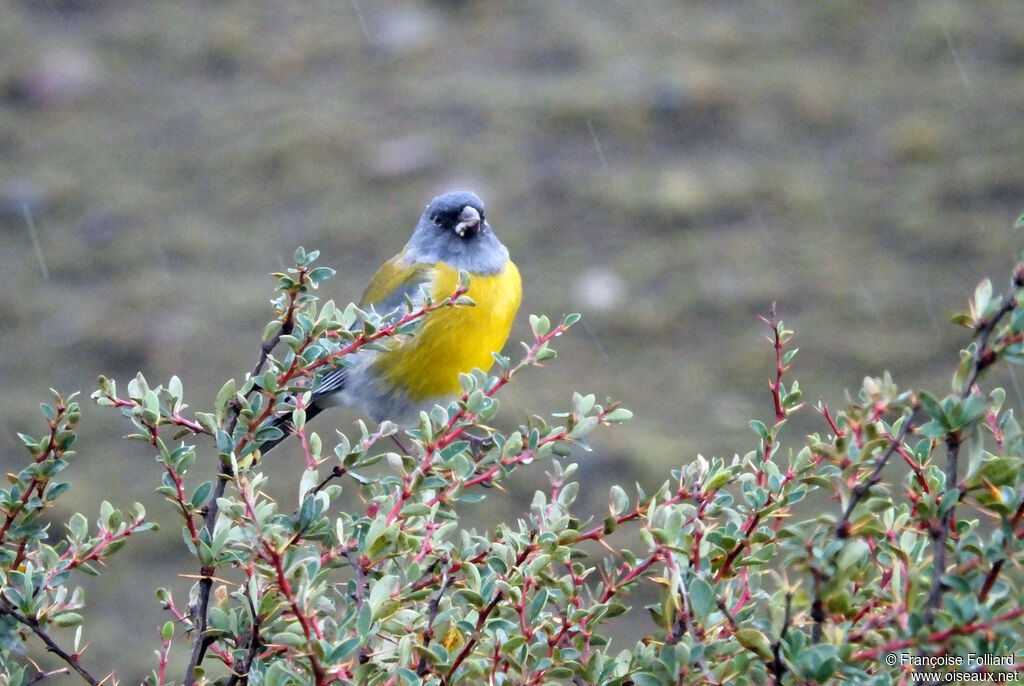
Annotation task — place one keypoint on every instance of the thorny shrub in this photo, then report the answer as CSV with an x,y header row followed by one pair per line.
x,y
889,543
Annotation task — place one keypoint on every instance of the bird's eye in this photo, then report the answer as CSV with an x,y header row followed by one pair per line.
x,y
436,219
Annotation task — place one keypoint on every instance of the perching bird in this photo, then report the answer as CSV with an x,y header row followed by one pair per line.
x,y
415,372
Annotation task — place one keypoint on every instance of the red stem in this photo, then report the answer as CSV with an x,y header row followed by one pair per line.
x,y
939,636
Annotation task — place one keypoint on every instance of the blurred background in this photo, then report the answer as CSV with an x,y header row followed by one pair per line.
x,y
668,168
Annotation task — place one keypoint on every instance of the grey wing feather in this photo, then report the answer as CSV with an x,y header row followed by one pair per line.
x,y
329,383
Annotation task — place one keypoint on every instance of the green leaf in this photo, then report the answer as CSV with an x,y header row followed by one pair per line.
x,y
207,421
973,409
645,679
320,274
818,662
472,597
619,500
381,591
702,598
963,319
225,445
755,641
949,499
201,494
364,622
933,407
759,428
78,526
540,325
29,442
853,552
224,396
268,433
67,619
1002,471
167,632
280,674
982,297
174,388
618,415
343,650
137,387
583,404
537,605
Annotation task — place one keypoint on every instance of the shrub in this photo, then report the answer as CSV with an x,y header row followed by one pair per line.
x,y
889,543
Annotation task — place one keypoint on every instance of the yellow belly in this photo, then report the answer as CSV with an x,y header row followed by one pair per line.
x,y
454,340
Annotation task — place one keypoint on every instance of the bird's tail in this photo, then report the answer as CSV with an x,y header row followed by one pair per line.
x,y
284,423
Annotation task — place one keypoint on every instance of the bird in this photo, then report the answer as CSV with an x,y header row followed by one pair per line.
x,y
415,372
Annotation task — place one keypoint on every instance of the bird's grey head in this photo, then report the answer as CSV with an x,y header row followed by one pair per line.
x,y
453,229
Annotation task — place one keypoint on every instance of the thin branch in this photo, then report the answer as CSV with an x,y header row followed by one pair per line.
x,y
984,356
199,616
997,566
46,675
728,615
843,526
938,638
212,507
70,659
422,668
778,668
482,619
940,533
240,670
817,607
360,574
471,643
688,622
161,670
775,386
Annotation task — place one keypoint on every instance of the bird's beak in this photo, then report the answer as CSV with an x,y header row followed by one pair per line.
x,y
469,221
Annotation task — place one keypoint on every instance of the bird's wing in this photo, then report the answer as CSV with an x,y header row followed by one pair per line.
x,y
395,280
329,383
386,292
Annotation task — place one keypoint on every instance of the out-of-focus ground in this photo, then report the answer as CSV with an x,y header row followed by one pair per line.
x,y
667,168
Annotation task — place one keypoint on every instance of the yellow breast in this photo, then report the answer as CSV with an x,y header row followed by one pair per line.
x,y
454,340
